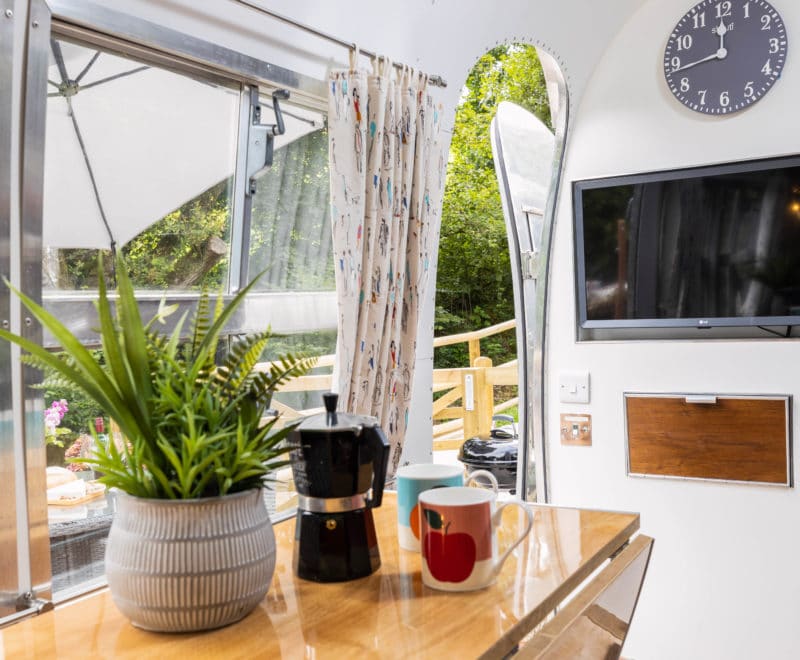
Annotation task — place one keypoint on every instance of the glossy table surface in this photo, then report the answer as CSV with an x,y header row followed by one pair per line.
x,y
388,614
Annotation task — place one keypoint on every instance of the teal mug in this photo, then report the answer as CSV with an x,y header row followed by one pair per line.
x,y
414,479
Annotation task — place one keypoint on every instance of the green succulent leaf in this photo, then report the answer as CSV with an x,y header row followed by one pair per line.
x,y
191,427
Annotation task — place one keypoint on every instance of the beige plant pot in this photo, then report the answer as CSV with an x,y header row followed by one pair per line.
x,y
183,565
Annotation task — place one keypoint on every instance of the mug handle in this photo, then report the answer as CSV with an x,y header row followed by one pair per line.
x,y
497,518
482,473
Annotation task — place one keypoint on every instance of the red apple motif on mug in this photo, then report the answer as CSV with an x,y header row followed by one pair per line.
x,y
450,557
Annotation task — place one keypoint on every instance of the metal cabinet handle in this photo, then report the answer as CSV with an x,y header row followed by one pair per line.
x,y
701,398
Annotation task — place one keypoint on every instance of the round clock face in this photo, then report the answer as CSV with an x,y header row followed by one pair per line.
x,y
724,55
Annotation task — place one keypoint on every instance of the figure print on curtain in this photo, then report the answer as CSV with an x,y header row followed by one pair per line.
x,y
385,194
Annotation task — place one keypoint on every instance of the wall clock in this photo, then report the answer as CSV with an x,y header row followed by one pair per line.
x,y
724,55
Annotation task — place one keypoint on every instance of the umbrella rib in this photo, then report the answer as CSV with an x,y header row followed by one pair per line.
x,y
119,75
88,66
59,57
91,174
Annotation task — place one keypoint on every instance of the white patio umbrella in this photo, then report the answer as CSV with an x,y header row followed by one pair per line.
x,y
127,144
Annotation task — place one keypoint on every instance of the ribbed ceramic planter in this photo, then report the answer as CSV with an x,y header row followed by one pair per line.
x,y
183,565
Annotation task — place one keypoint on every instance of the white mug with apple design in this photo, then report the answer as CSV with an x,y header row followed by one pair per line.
x,y
459,537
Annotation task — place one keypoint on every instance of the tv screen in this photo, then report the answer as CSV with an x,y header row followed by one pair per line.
x,y
702,247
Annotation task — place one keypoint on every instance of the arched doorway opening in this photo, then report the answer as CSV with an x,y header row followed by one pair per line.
x,y
496,218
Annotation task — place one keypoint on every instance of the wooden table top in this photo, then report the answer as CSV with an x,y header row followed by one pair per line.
x,y
388,614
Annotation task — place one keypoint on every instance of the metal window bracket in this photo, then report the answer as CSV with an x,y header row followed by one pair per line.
x,y
261,139
28,601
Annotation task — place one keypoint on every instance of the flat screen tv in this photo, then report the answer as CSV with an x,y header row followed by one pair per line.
x,y
701,248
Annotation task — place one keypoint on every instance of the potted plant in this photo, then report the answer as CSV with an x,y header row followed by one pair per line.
x,y
191,546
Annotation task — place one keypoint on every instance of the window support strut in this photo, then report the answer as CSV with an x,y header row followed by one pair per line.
x,y
261,139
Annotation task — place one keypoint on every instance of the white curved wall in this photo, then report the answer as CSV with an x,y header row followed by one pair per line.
x,y
722,581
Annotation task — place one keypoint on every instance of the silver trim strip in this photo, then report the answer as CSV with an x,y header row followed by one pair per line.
x,y
332,504
9,520
22,614
241,209
433,79
31,205
146,36
535,453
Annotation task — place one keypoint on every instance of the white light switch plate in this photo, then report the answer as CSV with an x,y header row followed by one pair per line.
x,y
573,387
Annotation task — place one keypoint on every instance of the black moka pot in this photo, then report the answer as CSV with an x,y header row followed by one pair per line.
x,y
339,465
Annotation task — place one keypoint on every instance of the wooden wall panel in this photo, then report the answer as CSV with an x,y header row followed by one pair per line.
x,y
736,439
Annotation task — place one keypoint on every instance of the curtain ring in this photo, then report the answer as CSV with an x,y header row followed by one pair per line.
x,y
354,53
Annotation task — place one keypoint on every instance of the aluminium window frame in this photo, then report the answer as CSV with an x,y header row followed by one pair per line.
x,y
22,440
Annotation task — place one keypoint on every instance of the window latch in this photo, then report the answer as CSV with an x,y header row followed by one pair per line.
x,y
529,265
261,139
29,601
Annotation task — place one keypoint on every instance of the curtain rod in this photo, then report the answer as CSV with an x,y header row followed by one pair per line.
x,y
435,80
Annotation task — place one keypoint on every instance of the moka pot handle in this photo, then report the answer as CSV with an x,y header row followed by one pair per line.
x,y
379,445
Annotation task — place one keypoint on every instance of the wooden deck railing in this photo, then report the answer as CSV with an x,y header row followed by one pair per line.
x,y
466,405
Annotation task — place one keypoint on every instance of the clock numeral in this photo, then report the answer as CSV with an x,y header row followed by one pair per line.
x,y
723,9
684,84
702,94
675,62
685,42
766,22
773,45
699,20
766,69
748,89
746,8
724,99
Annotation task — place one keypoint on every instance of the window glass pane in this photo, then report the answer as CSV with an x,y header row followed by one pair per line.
x,y
290,239
290,225
138,159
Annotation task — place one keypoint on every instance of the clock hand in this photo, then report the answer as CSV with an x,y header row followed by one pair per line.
x,y
713,56
721,53
722,30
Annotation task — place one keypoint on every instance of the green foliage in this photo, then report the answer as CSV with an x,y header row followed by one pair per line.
x,y
474,286
82,410
187,248
290,229
175,251
192,427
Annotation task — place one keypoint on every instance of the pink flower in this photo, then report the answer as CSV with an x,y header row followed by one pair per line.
x,y
54,414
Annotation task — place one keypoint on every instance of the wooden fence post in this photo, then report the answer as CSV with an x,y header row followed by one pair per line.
x,y
474,350
478,401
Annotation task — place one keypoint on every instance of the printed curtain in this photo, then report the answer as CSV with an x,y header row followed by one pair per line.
x,y
386,170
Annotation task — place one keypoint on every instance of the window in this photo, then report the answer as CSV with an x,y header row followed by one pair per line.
x,y
138,159
144,153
